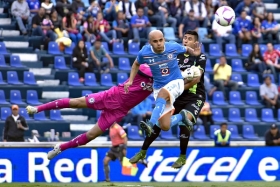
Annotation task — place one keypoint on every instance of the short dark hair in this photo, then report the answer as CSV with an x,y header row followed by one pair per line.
x,y
222,124
194,33
267,77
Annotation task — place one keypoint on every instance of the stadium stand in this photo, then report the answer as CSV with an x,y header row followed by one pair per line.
x,y
33,74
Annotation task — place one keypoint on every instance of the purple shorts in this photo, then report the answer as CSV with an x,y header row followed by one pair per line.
x,y
110,106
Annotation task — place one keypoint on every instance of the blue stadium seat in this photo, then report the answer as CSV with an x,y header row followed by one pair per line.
x,y
277,47
231,50
251,115
124,64
200,133
213,128
1,79
3,49
12,78
246,50
235,98
167,135
278,114
169,34
202,33
88,46
22,112
86,92
271,77
249,132
252,98
86,3
202,48
69,50
54,49
267,115
218,115
105,60
253,80
118,48
5,112
106,79
237,65
15,97
214,50
133,133
133,48
55,115
32,97
59,63
3,98
98,113
90,80
234,132
121,78
234,115
236,77
106,47
3,61
73,79
218,98
15,61
263,48
29,78
40,116
208,66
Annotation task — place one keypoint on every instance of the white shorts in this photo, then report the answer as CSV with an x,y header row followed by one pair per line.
x,y
175,88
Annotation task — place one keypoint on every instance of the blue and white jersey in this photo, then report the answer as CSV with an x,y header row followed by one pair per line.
x,y
164,66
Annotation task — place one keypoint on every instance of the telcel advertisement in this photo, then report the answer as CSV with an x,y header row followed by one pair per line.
x,y
86,165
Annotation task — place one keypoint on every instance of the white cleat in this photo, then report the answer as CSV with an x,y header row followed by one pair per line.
x,y
31,109
56,150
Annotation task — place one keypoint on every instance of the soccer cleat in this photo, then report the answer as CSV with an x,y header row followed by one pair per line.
x,y
179,162
31,109
144,162
138,156
56,150
146,128
186,121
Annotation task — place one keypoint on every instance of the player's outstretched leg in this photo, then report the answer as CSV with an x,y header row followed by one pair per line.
x,y
76,142
58,104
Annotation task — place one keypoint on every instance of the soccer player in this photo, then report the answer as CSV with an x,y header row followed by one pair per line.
x,y
191,101
168,84
114,103
118,149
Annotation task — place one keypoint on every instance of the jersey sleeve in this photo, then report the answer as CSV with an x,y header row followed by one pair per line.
x,y
121,132
139,57
179,48
201,62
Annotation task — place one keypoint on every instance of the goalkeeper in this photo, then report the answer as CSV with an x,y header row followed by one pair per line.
x,y
191,101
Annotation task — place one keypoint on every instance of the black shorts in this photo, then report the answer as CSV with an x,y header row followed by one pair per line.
x,y
193,106
115,153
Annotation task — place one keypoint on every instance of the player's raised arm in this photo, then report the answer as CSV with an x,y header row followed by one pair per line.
x,y
133,72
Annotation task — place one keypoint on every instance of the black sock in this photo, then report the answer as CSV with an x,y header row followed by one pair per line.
x,y
184,139
149,140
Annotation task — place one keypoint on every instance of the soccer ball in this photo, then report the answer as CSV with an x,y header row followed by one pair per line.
x,y
225,16
188,74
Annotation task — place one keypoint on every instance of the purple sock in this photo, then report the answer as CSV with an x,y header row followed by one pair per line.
x,y
57,104
76,142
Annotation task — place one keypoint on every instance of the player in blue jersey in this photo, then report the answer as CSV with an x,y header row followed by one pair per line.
x,y
168,84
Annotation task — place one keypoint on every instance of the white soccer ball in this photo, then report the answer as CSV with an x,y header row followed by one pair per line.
x,y
188,74
225,16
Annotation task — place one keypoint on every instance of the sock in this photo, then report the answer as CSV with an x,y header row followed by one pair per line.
x,y
184,139
107,171
175,119
57,104
159,107
76,142
149,140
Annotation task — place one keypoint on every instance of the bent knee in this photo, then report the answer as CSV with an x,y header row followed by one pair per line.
x,y
164,126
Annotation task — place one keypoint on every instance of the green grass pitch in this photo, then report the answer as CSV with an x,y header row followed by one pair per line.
x,y
151,184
